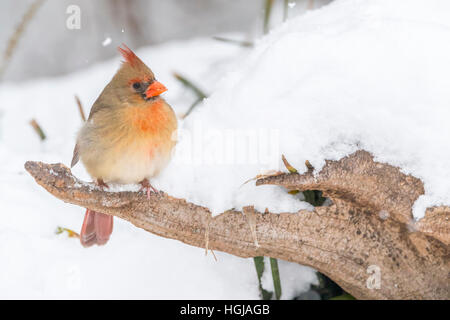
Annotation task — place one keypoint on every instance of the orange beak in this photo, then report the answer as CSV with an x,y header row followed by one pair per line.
x,y
155,89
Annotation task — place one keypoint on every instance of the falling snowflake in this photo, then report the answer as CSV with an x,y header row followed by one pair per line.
x,y
106,42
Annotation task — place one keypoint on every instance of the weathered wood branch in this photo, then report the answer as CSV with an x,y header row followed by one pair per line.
x,y
369,223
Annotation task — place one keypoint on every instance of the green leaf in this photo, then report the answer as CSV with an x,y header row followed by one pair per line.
x,y
288,166
70,233
259,266
314,197
276,277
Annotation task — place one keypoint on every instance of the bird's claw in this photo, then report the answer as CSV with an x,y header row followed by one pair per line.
x,y
147,187
102,184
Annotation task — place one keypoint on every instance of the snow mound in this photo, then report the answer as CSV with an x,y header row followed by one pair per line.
x,y
353,75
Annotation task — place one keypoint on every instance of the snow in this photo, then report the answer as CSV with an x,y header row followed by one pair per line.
x,y
289,274
107,41
354,74
383,214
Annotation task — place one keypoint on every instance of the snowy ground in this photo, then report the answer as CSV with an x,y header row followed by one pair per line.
x,y
354,74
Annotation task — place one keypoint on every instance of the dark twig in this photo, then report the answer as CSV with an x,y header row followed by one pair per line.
x,y
285,10
38,129
80,108
198,92
18,32
267,11
241,43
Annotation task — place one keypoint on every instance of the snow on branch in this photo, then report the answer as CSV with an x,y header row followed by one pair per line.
x,y
368,226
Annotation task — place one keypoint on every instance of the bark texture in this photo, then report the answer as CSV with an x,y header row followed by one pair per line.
x,y
368,228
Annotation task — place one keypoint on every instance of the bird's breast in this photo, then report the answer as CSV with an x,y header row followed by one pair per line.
x,y
151,126
135,143
150,120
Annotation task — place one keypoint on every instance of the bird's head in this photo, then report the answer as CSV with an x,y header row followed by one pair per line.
x,y
134,81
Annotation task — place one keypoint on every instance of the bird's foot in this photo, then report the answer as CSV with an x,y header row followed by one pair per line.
x,y
102,184
147,187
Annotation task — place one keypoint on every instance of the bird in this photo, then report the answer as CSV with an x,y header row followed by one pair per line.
x,y
128,137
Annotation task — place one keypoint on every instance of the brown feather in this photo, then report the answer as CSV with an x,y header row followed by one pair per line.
x,y
76,156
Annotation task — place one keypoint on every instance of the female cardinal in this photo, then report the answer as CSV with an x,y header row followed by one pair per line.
x,y
128,137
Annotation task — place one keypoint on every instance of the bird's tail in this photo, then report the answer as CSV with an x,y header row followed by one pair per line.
x,y
96,229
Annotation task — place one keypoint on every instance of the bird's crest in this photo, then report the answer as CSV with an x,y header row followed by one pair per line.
x,y
129,56
132,67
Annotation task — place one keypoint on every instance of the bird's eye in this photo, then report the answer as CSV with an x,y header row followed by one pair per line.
x,y
136,85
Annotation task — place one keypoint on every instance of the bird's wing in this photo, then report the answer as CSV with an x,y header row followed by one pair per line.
x,y
98,105
75,157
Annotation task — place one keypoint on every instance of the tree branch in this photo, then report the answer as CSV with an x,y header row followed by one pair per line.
x,y
369,223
